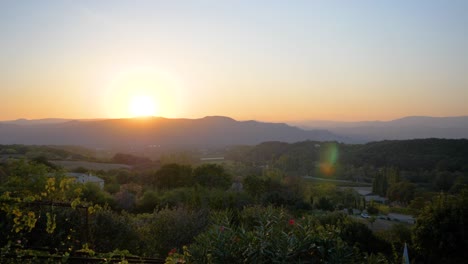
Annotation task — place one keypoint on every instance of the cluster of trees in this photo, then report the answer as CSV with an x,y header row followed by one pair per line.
x,y
228,213
435,164
161,215
407,155
388,183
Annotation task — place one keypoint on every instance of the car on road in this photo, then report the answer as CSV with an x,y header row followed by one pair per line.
x,y
365,215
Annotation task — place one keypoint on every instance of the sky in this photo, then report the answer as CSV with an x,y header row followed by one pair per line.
x,y
261,60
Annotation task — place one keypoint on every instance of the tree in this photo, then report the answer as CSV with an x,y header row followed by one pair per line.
x,y
212,176
402,192
148,202
172,176
325,204
380,184
444,180
91,192
440,234
254,185
34,200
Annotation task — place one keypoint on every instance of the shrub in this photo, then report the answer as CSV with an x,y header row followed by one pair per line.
x,y
268,235
111,231
212,176
161,231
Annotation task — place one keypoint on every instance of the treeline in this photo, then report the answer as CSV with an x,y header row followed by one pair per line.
x,y
436,163
416,154
48,152
213,186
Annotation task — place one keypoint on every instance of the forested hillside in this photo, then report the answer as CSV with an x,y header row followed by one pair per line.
x,y
420,160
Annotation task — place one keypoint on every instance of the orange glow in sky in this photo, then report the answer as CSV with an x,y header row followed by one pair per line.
x,y
282,61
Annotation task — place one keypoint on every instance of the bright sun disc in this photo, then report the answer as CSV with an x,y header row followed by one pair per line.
x,y
142,106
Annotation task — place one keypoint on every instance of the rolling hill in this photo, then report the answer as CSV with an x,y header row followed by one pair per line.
x,y
213,131
411,127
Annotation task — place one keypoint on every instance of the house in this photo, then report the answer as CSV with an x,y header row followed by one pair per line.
x,y
375,198
86,177
366,192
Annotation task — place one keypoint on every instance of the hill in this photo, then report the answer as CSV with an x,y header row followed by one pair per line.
x,y
214,131
411,127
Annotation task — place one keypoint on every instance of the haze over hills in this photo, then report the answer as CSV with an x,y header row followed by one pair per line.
x,y
215,131
43,121
410,127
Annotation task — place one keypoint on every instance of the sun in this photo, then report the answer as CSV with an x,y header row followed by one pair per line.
x,y
142,105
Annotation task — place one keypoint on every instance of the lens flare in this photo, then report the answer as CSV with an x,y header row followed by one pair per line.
x,y
329,158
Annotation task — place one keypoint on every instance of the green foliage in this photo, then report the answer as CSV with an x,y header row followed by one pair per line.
x,y
255,185
440,234
397,235
328,197
173,175
48,152
29,215
270,236
372,208
273,188
200,198
444,181
91,192
112,188
419,157
43,160
429,154
179,206
212,176
402,192
380,184
123,176
161,231
325,204
354,233
109,231
148,202
418,203
125,200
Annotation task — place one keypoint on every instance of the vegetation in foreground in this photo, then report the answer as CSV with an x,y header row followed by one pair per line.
x,y
204,214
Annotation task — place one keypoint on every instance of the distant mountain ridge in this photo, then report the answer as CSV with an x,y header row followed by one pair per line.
x,y
212,131
411,127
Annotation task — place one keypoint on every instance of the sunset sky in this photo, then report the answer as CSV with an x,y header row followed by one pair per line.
x,y
263,60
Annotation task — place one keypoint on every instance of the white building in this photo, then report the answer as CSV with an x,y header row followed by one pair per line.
x,y
85,178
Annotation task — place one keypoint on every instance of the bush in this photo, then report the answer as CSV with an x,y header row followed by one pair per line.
x,y
212,176
324,204
111,231
148,202
269,235
161,231
372,209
